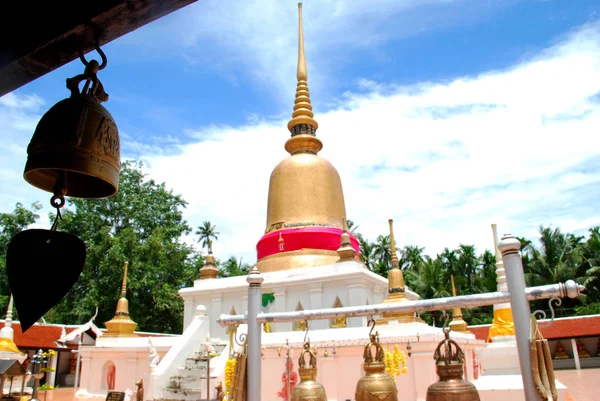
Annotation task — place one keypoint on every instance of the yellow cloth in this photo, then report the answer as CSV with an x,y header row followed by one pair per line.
x,y
503,324
8,345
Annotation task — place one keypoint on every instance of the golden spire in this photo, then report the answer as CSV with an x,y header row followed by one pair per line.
x,y
396,287
302,126
457,323
305,191
7,334
209,270
121,324
346,252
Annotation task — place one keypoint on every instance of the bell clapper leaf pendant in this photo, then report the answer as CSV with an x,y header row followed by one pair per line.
x,y
376,381
74,151
450,366
308,388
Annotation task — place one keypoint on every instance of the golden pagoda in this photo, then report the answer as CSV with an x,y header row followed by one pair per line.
x,y
396,288
7,335
209,270
121,324
306,202
457,323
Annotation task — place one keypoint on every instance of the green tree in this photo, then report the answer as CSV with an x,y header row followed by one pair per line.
x,y
206,233
10,225
232,267
383,255
412,257
142,224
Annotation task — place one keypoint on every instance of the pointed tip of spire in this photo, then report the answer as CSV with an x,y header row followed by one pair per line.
x,y
302,72
302,122
124,283
393,244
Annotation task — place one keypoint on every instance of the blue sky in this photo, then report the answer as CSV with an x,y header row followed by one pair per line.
x,y
420,104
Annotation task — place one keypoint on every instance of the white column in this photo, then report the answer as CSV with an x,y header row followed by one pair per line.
x,y
188,313
315,293
575,354
254,335
356,296
85,381
216,308
281,306
129,377
51,376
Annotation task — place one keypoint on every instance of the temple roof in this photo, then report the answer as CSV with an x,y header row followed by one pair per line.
x,y
564,327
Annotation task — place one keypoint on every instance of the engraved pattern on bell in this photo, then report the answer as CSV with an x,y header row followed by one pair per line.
x,y
76,143
308,389
449,366
376,385
79,136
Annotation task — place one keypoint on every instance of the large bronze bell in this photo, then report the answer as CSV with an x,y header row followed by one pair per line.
x,y
376,385
450,366
309,389
77,142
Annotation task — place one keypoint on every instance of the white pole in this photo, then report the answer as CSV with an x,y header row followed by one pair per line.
x,y
76,384
568,289
509,246
575,354
254,334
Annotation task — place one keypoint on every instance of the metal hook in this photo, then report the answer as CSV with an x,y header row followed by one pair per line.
x,y
100,52
447,316
306,331
371,320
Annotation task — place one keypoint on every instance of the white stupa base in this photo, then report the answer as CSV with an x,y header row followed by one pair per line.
x,y
500,373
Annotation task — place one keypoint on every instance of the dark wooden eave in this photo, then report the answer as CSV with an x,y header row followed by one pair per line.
x,y
37,37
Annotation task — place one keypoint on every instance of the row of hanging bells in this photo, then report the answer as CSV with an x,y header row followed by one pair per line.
x,y
376,385
74,151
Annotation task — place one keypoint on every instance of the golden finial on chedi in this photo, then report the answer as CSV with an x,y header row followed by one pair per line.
x,y
121,324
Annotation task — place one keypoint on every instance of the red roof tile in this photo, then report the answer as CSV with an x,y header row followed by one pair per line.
x,y
567,327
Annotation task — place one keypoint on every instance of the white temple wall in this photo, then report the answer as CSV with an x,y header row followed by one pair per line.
x,y
131,365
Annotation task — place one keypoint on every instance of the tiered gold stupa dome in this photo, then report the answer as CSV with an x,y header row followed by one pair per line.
x,y
121,324
306,209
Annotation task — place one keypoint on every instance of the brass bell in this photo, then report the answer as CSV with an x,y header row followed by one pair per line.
x,y
75,145
376,384
450,366
308,388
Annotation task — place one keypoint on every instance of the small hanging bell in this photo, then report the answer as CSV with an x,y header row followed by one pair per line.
x,y
376,384
308,388
78,140
450,365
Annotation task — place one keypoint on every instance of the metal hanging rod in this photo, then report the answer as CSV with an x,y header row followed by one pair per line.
x,y
568,289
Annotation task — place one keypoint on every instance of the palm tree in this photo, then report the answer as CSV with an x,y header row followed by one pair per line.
x,y
412,257
467,262
557,258
366,253
430,280
232,267
382,252
590,252
488,271
206,233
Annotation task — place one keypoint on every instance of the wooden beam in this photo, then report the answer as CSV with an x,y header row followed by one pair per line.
x,y
39,37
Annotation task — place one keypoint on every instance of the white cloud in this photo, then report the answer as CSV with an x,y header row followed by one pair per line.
x,y
516,147
444,160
